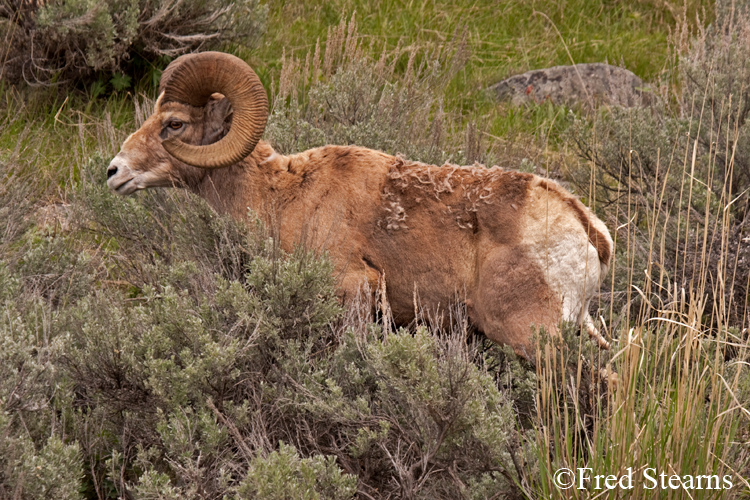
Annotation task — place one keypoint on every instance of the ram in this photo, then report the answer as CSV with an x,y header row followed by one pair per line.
x,y
517,249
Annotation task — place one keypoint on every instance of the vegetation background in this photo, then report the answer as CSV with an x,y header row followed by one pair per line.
x,y
150,348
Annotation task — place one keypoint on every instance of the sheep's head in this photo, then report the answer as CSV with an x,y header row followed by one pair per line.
x,y
193,124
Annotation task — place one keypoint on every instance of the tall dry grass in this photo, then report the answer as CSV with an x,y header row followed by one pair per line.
x,y
676,302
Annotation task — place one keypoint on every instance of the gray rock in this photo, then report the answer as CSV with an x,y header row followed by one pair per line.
x,y
589,85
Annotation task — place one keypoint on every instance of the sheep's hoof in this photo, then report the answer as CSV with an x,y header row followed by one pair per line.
x,y
610,377
594,334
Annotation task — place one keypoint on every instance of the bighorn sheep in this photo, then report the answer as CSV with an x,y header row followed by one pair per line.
x,y
517,249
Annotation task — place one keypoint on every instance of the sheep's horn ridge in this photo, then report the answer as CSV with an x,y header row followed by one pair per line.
x,y
192,79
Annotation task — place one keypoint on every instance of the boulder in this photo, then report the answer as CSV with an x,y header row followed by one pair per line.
x,y
588,85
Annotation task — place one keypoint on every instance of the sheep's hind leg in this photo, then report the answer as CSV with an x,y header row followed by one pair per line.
x,y
362,283
587,325
512,297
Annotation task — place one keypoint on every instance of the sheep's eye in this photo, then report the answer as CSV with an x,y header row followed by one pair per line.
x,y
175,125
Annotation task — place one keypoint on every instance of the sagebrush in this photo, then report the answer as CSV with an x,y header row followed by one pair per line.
x,y
75,42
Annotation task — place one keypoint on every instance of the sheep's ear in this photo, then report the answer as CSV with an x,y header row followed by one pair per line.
x,y
217,119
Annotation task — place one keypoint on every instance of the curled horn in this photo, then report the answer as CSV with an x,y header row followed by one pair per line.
x,y
192,79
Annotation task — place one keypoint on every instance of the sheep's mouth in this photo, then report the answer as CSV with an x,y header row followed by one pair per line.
x,y
120,189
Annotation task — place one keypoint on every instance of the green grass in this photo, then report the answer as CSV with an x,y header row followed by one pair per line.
x,y
52,135
505,37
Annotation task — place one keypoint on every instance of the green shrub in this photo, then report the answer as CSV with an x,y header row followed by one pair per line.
x,y
61,41
54,471
36,458
283,474
410,414
192,391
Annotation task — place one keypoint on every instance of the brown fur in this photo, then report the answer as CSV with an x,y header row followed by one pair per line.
x,y
445,233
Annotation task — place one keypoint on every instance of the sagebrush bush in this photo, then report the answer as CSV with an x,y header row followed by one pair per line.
x,y
73,41
37,458
283,474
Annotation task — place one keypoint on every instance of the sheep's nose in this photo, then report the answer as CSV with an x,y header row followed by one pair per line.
x,y
112,170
